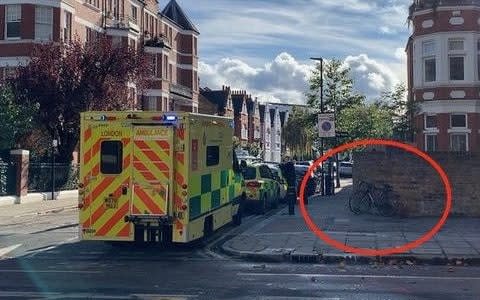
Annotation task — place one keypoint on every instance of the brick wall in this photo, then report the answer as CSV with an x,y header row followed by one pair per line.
x,y
417,188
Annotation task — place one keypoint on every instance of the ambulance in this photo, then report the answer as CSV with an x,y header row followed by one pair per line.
x,y
157,177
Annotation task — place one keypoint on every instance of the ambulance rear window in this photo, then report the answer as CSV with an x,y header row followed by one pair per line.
x,y
213,155
111,157
249,173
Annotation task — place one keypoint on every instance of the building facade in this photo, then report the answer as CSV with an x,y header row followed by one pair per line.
x,y
253,120
443,55
221,99
169,37
240,112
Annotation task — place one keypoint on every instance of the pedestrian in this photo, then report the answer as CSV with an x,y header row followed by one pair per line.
x,y
288,171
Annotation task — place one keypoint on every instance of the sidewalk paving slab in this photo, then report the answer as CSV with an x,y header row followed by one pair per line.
x,y
286,238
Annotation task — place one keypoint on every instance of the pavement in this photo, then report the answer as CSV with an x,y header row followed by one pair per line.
x,y
36,208
286,238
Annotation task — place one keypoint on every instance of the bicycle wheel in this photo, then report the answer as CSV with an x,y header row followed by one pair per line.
x,y
359,203
384,206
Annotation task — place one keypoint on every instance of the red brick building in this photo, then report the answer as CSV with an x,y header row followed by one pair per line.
x,y
444,74
222,99
169,37
240,112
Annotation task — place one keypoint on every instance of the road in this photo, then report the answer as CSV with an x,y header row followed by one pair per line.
x,y
51,263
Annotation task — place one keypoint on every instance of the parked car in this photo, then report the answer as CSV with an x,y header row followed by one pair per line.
x,y
262,188
345,169
282,182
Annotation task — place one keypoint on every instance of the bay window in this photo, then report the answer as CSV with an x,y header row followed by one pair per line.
x,y
43,23
13,20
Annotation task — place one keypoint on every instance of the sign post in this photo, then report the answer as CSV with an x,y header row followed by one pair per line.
x,y
326,125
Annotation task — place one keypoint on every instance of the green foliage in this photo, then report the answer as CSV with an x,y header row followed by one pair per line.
x,y
17,119
299,132
366,121
67,78
401,110
338,88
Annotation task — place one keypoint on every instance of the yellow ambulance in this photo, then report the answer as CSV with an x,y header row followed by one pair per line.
x,y
157,177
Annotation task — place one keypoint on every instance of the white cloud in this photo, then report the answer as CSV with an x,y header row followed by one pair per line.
x,y
282,80
285,79
371,77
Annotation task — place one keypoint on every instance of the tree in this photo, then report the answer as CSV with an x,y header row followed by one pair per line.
x,y
299,133
367,121
17,118
67,78
338,88
401,110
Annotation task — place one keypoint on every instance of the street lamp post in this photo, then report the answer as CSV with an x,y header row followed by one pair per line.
x,y
320,59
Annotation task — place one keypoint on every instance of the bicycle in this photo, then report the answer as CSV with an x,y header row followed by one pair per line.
x,y
368,196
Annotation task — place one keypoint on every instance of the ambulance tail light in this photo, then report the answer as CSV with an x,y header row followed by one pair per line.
x,y
254,184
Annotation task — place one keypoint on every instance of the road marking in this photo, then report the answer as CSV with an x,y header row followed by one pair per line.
x,y
6,250
56,295
50,271
361,276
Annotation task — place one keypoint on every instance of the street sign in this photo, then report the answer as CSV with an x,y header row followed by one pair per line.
x,y
326,125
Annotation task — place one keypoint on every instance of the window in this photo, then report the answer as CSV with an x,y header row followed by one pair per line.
x,y
265,172
153,62
195,51
459,142
14,18
430,121
213,155
134,14
429,61
111,157
249,173
458,121
151,103
95,3
43,23
457,68
165,60
431,143
165,104
170,35
478,59
67,26
455,45
170,72
90,34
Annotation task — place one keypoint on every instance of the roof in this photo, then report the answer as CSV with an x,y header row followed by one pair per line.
x,y
218,97
174,12
251,106
237,100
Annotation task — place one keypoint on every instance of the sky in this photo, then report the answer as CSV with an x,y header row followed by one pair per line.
x,y
264,46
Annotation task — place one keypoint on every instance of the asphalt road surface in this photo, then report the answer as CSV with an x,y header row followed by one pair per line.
x,y
46,260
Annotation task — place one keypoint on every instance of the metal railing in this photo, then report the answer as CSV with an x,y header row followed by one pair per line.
x,y
7,178
40,177
428,4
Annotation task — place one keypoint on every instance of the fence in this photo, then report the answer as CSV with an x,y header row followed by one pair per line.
x,y
40,177
7,178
